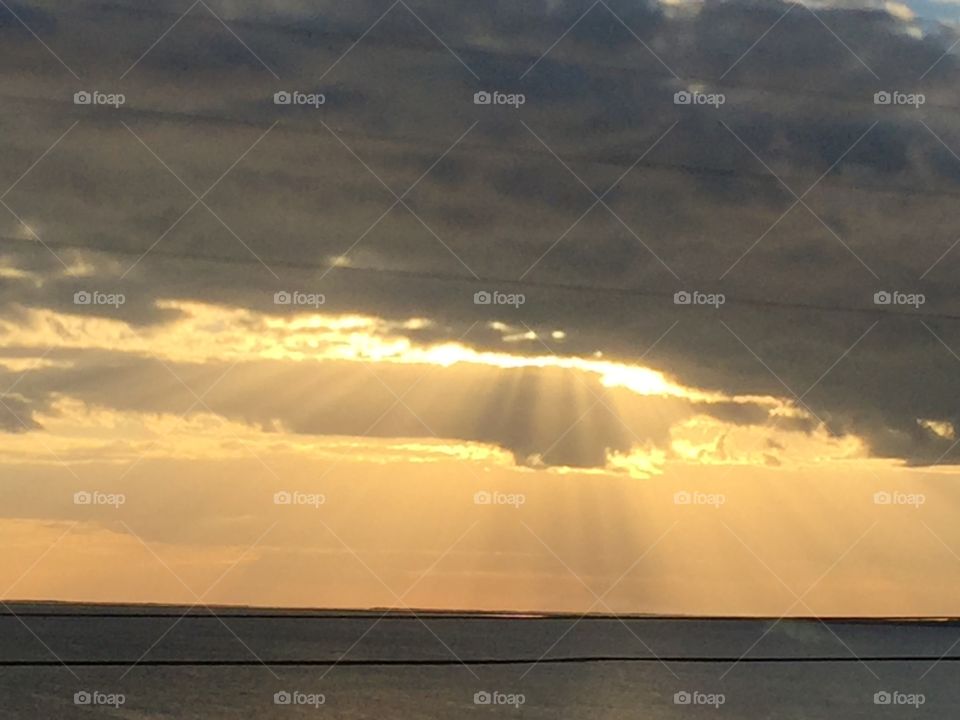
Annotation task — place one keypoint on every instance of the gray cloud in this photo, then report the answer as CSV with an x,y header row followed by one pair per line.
x,y
500,201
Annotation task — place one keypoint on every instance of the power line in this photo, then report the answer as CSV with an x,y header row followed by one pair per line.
x,y
491,280
577,660
467,615
488,149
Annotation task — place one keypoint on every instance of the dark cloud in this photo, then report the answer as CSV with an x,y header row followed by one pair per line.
x,y
539,415
16,415
500,203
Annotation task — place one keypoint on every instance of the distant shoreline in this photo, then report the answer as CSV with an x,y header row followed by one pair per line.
x,y
61,608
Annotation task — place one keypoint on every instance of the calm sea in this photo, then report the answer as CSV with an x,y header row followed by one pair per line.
x,y
132,662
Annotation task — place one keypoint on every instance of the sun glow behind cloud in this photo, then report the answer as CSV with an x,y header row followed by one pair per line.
x,y
201,334
222,333
237,462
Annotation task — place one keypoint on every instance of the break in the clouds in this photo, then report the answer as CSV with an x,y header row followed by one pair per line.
x,y
799,197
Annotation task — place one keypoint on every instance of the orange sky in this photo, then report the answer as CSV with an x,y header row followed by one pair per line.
x,y
697,515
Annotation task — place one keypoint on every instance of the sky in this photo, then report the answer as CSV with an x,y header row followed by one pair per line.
x,y
389,345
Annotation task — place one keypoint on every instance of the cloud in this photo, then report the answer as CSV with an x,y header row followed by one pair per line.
x,y
16,415
513,198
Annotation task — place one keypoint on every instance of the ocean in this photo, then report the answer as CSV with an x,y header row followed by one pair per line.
x,y
66,661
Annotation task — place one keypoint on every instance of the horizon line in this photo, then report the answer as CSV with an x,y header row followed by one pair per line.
x,y
244,610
